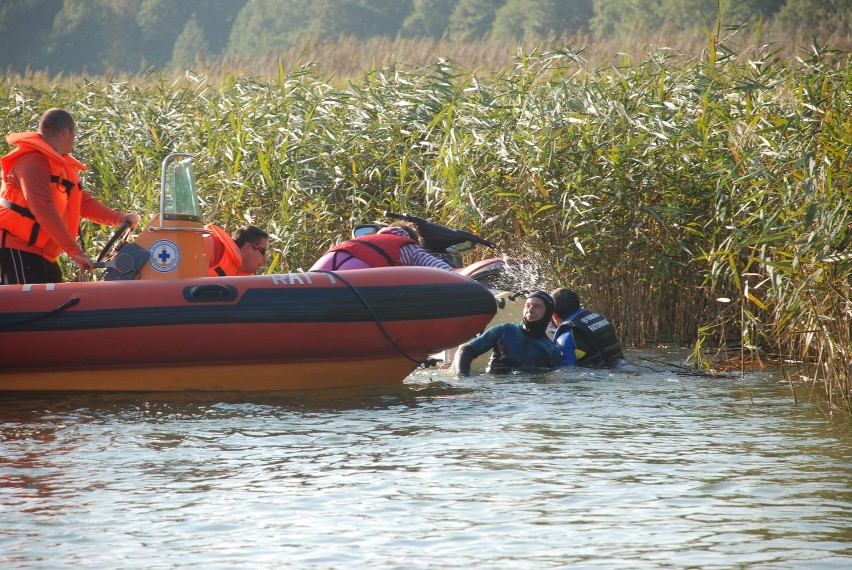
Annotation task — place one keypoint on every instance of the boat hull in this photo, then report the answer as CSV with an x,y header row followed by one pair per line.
x,y
221,377
291,331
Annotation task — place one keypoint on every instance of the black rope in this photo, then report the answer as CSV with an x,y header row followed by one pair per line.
x,y
69,303
336,275
688,370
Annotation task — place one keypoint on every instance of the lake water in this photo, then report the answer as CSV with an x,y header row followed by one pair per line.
x,y
571,469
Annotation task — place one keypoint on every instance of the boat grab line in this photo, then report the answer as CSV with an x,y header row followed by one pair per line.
x,y
372,314
69,303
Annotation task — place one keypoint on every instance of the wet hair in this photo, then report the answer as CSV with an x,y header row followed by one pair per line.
x,y
252,234
53,121
566,301
409,228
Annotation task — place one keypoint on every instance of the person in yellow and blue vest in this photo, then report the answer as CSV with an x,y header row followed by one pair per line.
x,y
586,338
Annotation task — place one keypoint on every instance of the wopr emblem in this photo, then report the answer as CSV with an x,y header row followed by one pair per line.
x,y
165,256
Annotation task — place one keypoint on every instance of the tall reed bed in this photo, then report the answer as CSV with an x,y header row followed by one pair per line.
x,y
699,200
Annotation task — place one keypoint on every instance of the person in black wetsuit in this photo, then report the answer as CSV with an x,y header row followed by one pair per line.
x,y
516,346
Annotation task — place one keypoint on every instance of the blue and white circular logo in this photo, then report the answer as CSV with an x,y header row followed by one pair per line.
x,y
165,256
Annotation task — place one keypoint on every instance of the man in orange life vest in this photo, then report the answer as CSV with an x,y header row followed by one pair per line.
x,y
239,254
42,201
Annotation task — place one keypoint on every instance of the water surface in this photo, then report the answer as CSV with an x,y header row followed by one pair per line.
x,y
571,469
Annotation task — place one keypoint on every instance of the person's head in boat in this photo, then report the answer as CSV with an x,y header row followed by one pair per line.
x,y
404,229
538,310
253,243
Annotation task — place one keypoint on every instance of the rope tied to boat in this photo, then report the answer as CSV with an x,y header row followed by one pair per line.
x,y
425,363
69,303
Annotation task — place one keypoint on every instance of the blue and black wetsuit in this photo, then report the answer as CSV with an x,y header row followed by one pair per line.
x,y
512,349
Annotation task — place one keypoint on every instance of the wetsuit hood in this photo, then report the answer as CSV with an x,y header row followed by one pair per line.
x,y
538,329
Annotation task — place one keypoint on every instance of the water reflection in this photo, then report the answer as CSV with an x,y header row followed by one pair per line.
x,y
575,468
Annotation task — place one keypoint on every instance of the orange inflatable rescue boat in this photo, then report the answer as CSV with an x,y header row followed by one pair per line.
x,y
157,323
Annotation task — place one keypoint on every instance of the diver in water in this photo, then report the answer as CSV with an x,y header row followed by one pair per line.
x,y
516,346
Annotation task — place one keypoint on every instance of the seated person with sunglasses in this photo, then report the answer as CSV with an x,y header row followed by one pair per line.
x,y
241,253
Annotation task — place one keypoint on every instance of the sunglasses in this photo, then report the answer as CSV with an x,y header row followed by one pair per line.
x,y
262,250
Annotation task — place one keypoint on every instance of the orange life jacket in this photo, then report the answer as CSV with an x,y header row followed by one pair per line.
x,y
15,215
231,259
378,250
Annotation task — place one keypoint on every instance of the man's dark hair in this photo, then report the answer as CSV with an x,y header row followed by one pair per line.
x,y
566,301
251,234
54,120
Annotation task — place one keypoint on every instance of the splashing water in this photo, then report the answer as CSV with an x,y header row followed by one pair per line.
x,y
510,274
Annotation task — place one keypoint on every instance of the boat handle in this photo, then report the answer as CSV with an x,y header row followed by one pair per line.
x,y
210,293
